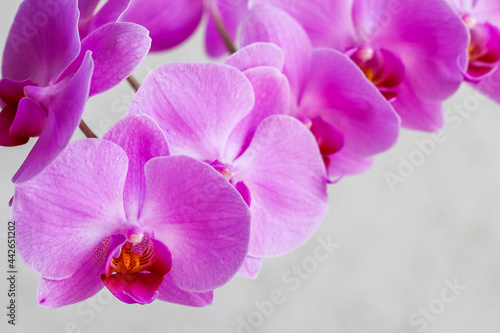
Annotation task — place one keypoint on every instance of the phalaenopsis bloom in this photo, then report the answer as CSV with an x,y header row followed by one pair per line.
x,y
414,52
482,19
120,212
234,119
49,73
350,119
170,22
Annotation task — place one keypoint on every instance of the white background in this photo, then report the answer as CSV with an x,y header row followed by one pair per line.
x,y
397,248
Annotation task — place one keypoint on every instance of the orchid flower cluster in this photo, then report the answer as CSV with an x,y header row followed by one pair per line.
x,y
216,166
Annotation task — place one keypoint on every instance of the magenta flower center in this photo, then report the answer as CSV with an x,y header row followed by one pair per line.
x,y
382,67
484,48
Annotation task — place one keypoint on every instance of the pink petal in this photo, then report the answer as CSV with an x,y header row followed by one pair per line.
x,y
490,86
340,94
196,105
251,267
417,113
169,22
342,164
484,10
202,219
41,30
142,139
327,22
169,292
84,283
286,176
117,49
231,14
65,212
109,13
65,109
270,24
30,119
427,35
256,55
272,96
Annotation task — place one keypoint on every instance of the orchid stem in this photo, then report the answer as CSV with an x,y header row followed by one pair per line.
x,y
133,82
222,30
87,131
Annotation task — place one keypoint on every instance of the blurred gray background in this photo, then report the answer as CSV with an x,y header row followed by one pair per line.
x,y
423,256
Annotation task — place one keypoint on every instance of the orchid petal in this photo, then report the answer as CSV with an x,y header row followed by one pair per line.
x,y
117,49
169,22
286,176
340,94
427,35
196,105
41,30
65,109
75,203
327,22
251,267
200,217
109,13
270,24
272,96
169,292
256,55
84,283
142,139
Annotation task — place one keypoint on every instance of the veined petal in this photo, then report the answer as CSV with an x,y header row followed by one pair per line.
x,y
142,139
169,292
327,22
272,96
202,219
40,31
168,22
270,24
340,94
251,267
418,113
75,203
109,13
196,105
286,176
427,35
490,86
84,283
117,49
65,109
256,55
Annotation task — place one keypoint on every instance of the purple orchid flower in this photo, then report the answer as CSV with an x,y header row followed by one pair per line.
x,y
414,51
348,116
172,22
482,20
120,212
235,122
48,75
